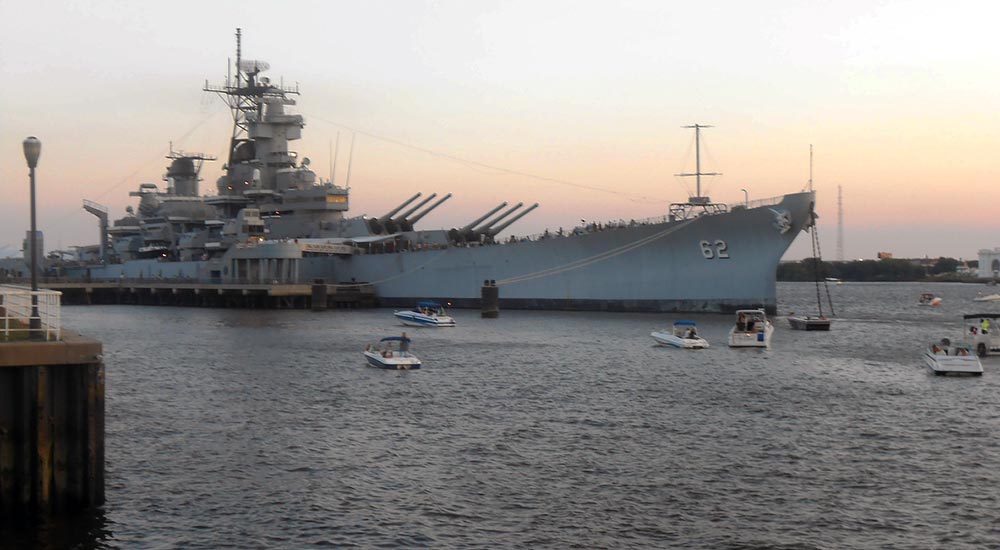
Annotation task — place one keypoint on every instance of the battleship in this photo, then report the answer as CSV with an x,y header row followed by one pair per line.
x,y
273,220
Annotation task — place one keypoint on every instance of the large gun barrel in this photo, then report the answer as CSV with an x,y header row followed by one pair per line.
x,y
416,218
494,231
378,225
494,221
481,218
407,214
392,212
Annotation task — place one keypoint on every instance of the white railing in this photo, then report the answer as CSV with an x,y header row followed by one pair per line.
x,y
16,314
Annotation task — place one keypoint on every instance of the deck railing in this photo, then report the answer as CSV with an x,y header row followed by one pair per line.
x,y
16,314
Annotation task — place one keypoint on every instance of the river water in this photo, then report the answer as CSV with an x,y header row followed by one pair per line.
x,y
264,429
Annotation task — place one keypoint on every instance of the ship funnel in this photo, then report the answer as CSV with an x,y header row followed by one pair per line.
x,y
377,225
476,222
416,218
485,227
494,231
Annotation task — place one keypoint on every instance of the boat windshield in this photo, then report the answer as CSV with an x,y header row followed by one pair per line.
x,y
685,329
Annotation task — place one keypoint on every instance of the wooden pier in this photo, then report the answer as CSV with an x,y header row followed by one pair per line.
x,y
257,296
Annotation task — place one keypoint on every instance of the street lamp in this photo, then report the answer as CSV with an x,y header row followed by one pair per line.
x,y
746,198
32,150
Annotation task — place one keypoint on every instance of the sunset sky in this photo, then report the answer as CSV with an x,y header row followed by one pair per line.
x,y
900,100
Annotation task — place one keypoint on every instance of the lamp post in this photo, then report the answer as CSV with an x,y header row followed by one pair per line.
x,y
746,198
32,150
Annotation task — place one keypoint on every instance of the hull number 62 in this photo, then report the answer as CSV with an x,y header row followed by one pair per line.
x,y
715,249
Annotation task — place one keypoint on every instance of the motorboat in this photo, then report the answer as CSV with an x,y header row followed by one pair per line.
x,y
946,358
752,329
929,299
684,335
982,332
980,297
809,322
392,353
425,314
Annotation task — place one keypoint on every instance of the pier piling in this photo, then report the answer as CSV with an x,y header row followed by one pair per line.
x,y
490,295
51,428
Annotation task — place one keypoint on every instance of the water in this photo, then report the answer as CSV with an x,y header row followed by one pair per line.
x,y
264,429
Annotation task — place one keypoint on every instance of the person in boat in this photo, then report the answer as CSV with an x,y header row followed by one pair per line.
x,y
750,324
985,326
741,322
962,351
938,350
690,333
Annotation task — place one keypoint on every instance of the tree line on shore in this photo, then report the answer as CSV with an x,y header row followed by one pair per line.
x,y
941,269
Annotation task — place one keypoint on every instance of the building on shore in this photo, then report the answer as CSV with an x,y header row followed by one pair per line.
x,y
989,262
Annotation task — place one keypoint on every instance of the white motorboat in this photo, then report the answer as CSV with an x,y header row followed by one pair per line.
x,y
929,299
426,314
980,297
752,330
946,358
684,335
982,332
392,353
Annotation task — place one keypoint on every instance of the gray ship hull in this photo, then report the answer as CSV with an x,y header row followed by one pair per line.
x,y
713,263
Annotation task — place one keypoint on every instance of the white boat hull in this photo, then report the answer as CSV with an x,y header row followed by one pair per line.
x,y
417,319
953,364
394,361
752,339
667,339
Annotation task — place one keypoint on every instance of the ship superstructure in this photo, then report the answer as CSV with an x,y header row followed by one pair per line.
x,y
273,220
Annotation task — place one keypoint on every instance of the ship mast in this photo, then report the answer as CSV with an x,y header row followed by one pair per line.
x,y
698,199
246,95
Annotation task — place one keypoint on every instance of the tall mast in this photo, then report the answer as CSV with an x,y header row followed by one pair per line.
x,y
697,156
246,95
840,224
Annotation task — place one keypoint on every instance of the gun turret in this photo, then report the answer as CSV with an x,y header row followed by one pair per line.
x,y
377,225
407,225
494,231
398,223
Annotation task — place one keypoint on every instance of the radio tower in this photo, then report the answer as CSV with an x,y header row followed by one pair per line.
x,y
840,224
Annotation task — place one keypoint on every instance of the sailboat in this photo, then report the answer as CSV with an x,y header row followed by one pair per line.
x,y
821,321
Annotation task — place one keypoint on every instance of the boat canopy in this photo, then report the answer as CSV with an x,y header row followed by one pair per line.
x,y
685,323
428,304
395,339
981,316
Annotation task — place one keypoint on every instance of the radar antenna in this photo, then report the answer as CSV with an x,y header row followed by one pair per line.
x,y
247,94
